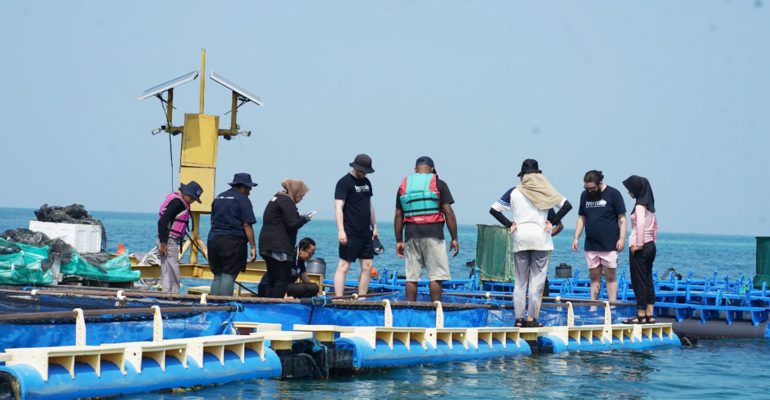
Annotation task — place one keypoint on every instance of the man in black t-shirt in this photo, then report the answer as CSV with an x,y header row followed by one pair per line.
x,y
423,203
354,214
603,213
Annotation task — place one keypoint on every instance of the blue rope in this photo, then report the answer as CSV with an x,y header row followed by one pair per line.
x,y
228,325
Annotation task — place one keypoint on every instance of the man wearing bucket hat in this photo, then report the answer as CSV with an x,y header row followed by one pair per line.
x,y
173,218
354,214
232,217
423,203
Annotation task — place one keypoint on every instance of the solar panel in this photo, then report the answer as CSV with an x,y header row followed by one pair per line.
x,y
236,88
162,87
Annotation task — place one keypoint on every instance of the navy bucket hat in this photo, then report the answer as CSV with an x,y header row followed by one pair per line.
x,y
242,179
193,189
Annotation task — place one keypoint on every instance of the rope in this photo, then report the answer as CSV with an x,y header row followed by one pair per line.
x,y
228,326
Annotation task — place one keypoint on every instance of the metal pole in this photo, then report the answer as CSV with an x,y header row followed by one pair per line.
x,y
196,217
170,109
233,125
203,76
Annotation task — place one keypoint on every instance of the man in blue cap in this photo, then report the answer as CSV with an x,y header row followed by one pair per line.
x,y
423,204
173,218
232,217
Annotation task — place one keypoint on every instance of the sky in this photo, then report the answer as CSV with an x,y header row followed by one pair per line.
x,y
676,91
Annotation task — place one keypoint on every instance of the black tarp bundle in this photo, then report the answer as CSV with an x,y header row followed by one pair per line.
x,y
74,214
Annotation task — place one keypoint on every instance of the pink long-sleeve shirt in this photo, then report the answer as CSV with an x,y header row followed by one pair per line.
x,y
644,227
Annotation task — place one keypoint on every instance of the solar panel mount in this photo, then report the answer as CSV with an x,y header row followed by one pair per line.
x,y
169,84
243,93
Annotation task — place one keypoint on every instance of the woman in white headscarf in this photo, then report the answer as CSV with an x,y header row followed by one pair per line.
x,y
531,229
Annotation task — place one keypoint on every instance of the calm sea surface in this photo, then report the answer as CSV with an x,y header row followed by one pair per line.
x,y
712,369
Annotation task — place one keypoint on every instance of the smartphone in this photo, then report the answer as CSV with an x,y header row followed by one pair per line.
x,y
310,214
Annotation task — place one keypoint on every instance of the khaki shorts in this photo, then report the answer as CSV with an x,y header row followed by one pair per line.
x,y
429,252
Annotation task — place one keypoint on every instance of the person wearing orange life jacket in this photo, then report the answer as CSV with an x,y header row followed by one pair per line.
x,y
423,204
173,218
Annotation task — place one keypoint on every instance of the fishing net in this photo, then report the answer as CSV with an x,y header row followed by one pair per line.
x,y
101,267
25,266
15,302
96,266
502,313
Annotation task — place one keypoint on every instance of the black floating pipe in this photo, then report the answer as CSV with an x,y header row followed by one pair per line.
x,y
716,328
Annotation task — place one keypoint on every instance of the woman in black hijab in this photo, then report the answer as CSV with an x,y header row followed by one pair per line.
x,y
641,243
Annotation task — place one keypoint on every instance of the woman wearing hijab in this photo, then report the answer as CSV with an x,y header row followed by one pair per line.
x,y
644,232
531,229
280,224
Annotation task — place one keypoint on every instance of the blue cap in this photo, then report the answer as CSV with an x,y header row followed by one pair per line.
x,y
242,179
424,160
193,189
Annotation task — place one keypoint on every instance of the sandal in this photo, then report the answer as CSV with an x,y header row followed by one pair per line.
x,y
521,323
651,319
534,324
639,319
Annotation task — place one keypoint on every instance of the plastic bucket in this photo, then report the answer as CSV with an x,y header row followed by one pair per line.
x,y
563,271
317,266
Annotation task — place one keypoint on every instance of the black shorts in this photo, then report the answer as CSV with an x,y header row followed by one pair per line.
x,y
358,247
228,255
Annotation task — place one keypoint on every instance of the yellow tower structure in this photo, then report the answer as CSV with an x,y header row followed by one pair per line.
x,y
200,135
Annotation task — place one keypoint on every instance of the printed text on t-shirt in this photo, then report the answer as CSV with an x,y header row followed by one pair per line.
x,y
596,204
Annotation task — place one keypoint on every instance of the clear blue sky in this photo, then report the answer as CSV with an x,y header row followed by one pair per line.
x,y
677,91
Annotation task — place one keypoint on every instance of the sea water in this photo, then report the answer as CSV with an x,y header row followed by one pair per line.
x,y
711,369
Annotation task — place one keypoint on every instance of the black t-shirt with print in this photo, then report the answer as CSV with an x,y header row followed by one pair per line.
x,y
357,194
601,224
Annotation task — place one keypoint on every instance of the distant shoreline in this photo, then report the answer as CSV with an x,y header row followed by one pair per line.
x,y
388,222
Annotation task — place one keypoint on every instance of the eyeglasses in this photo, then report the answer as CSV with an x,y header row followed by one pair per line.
x,y
591,189
309,253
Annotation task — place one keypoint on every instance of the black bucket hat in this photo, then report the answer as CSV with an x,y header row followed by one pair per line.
x,y
363,163
529,166
378,247
242,179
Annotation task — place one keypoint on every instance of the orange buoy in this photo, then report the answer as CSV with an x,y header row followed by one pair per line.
x,y
375,274
121,249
